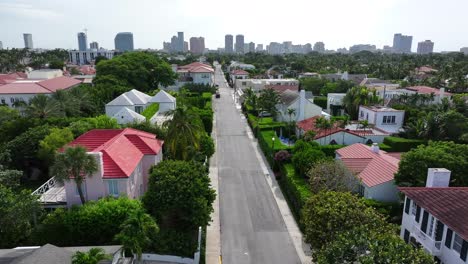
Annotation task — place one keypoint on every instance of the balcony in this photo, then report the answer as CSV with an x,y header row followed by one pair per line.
x,y
432,246
51,194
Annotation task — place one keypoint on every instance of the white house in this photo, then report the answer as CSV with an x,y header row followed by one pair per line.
x,y
260,84
44,74
384,118
166,101
438,94
373,168
124,157
435,217
238,74
196,72
240,65
303,107
335,103
133,100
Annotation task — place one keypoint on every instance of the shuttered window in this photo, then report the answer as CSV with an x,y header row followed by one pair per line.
x,y
407,205
464,250
406,236
424,221
418,213
439,231
448,238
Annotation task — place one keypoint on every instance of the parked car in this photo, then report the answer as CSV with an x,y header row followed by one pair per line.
x,y
218,95
264,114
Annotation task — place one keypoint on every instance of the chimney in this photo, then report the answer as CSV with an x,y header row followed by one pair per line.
x,y
302,103
438,177
375,148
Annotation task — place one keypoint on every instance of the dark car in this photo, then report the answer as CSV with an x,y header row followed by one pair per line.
x,y
218,95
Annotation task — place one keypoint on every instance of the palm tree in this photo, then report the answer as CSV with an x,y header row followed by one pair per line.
x,y
137,232
42,106
184,130
76,164
93,256
251,98
291,111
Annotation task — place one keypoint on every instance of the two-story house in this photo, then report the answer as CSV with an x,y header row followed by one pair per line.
x,y
384,118
124,157
435,218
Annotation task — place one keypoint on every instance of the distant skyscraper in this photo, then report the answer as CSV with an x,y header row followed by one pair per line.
x,y
94,45
185,46
362,47
287,46
124,41
319,47
251,47
180,42
464,50
402,43
259,48
239,43
174,44
28,42
425,47
1,45
167,46
197,45
82,41
307,48
228,44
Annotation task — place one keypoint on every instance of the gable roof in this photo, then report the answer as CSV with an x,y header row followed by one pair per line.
x,y
122,149
448,204
126,112
45,254
162,97
426,90
372,168
29,86
309,124
239,72
283,88
132,97
288,97
196,67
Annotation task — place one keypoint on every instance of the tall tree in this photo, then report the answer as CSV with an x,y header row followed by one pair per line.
x,y
268,100
330,175
42,106
358,96
74,163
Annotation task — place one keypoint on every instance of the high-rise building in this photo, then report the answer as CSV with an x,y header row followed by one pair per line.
x,y
251,47
180,42
287,47
228,44
1,45
402,43
28,42
174,44
464,50
185,46
82,41
124,41
307,48
197,45
94,45
362,47
425,47
167,46
275,48
319,47
259,48
239,43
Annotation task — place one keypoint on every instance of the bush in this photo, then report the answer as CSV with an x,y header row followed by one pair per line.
x,y
206,116
321,101
398,144
150,111
266,143
305,159
329,150
391,210
174,242
199,88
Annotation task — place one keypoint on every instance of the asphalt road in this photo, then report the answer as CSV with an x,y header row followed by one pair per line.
x,y
252,229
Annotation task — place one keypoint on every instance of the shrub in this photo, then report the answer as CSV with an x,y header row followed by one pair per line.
x,y
398,144
266,143
321,101
206,116
329,150
150,111
305,159
295,188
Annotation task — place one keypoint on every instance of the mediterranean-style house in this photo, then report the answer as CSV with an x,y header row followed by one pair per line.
x,y
435,218
124,158
374,170
384,118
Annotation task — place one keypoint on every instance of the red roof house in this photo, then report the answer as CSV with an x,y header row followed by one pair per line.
x,y
124,157
326,136
374,168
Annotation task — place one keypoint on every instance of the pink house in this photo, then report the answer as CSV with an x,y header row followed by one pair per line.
x,y
124,157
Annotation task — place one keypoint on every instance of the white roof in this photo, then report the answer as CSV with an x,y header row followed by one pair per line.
x,y
162,97
126,115
132,97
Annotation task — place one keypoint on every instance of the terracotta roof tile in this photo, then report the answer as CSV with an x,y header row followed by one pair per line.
x,y
59,83
449,205
309,124
426,90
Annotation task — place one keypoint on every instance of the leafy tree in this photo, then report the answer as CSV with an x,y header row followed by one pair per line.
x,y
100,122
368,246
412,170
56,64
358,96
57,138
184,132
74,163
330,175
313,85
7,114
99,59
303,160
327,214
93,256
17,209
137,232
42,106
207,147
179,194
267,101
139,70
94,223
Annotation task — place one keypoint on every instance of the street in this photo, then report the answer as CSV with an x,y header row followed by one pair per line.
x,y
252,228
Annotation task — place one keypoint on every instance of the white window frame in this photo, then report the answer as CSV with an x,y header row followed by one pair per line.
x,y
413,208
455,243
113,187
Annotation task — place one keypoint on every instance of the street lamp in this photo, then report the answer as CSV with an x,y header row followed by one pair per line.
x,y
273,151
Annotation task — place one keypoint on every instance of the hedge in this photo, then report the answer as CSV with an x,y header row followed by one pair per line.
x,y
206,116
265,142
150,111
398,144
329,150
321,101
295,188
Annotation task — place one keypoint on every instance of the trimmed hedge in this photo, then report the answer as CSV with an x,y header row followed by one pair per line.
x,y
150,111
321,101
206,116
265,143
398,144
295,188
329,150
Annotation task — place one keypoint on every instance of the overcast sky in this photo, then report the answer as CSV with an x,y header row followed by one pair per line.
x,y
338,23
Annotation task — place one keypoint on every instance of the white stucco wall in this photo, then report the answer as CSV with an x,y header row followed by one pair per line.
x,y
202,78
164,107
385,192
341,138
7,98
376,118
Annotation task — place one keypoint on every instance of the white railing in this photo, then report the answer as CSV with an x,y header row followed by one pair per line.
x,y
427,241
45,187
47,195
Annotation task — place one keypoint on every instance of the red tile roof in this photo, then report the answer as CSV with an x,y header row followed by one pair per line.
x,y
122,149
239,72
59,83
372,168
426,90
38,87
309,124
448,204
196,67
282,88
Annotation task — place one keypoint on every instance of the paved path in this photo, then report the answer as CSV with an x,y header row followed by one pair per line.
x,y
252,226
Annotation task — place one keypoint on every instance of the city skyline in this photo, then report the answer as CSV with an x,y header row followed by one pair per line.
x,y
343,29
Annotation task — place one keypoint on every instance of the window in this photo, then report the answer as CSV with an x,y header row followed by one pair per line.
x,y
457,243
361,190
431,226
407,205
12,100
113,187
448,238
139,109
418,213
3,101
362,114
244,83
413,208
389,119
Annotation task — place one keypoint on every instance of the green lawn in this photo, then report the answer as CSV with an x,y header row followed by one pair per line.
x,y
150,111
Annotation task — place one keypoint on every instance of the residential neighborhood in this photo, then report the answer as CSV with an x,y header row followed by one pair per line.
x,y
121,151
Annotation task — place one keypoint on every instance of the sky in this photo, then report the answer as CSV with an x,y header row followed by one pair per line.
x,y
338,23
